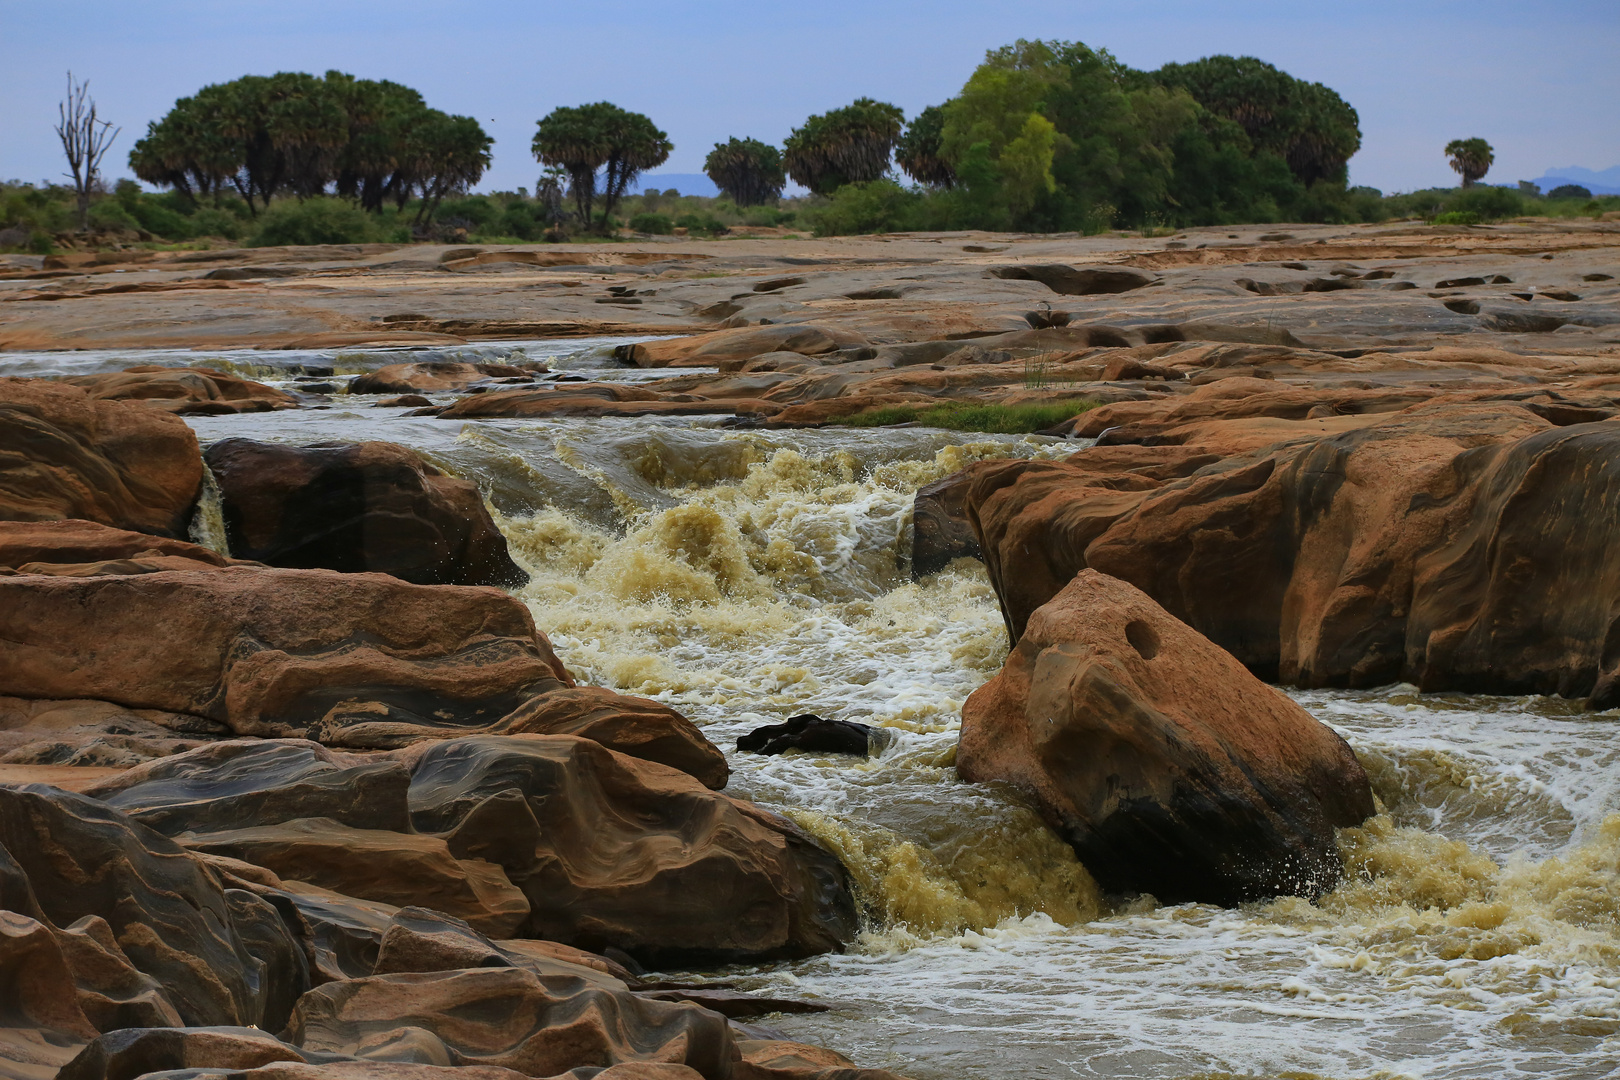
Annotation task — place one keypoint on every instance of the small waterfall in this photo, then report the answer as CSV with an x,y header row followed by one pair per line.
x,y
208,519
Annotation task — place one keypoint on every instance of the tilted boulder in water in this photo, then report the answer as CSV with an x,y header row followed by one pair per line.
x,y
64,454
355,507
185,391
709,350
1169,768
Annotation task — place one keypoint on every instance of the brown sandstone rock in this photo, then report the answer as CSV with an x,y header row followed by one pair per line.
x,y
431,377
1168,767
131,904
709,350
631,854
357,507
1076,280
46,547
508,1018
65,455
277,652
185,391
1350,550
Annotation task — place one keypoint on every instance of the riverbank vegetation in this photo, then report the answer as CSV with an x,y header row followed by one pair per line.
x,y
1020,419
1045,136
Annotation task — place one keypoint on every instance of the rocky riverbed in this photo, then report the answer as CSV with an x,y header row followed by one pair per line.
x,y
373,698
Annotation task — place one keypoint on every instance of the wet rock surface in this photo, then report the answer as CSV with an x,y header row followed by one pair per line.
x,y
357,507
185,391
1169,767
814,735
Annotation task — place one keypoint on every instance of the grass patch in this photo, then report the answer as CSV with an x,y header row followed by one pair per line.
x,y
966,416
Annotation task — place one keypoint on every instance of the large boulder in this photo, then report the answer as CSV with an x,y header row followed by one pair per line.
x,y
1433,545
356,507
614,851
64,454
78,548
185,391
1167,765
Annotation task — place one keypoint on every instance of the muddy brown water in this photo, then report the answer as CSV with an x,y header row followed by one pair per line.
x,y
744,576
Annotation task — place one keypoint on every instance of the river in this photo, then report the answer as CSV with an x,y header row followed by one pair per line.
x,y
743,576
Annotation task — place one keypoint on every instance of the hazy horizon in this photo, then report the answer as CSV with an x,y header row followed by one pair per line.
x,y
1418,76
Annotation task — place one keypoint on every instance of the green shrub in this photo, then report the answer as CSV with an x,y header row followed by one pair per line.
x,y
211,222
769,217
1486,203
654,223
705,223
965,416
314,221
1569,191
878,206
40,243
1457,217
110,214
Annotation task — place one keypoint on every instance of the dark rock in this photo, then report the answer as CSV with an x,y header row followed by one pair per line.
x,y
812,734
940,531
415,401
133,1052
357,507
1459,283
1076,280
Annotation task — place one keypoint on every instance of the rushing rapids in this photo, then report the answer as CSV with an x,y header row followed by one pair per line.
x,y
743,577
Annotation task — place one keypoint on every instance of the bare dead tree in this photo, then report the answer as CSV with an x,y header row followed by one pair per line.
x,y
85,140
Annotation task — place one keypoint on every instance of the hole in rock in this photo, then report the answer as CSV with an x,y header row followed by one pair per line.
x,y
1143,638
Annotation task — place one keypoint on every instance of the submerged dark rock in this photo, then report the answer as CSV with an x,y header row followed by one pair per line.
x,y
812,734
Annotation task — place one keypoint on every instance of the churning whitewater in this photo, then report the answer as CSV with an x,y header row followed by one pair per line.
x,y
744,576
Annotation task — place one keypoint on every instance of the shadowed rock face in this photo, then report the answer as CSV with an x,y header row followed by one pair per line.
x,y
358,507
65,455
1464,543
208,955
1076,280
1168,767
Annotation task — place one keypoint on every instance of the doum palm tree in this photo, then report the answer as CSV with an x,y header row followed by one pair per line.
x,y
1470,158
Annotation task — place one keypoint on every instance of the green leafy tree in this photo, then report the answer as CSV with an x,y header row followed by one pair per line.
x,y
1306,124
844,146
747,170
585,139
1470,158
920,151
447,153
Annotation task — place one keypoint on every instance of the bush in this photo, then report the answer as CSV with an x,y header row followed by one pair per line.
x,y
878,206
1486,203
1457,217
109,214
705,223
655,224
211,222
314,221
1569,191
768,217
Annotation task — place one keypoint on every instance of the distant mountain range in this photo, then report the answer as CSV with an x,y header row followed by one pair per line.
x,y
1606,182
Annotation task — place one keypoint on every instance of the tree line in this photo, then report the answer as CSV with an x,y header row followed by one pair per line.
x,y
1044,136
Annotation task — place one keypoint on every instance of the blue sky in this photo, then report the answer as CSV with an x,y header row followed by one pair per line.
x,y
1539,81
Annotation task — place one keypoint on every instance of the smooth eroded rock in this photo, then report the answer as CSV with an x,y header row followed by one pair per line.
x,y
64,454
